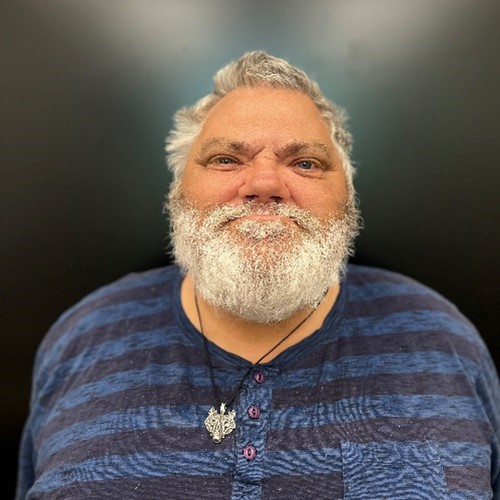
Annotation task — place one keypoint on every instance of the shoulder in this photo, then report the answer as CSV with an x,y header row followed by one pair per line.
x,y
131,302
391,303
366,275
407,326
127,296
130,288
374,285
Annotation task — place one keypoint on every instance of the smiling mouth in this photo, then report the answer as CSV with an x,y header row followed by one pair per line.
x,y
257,215
265,217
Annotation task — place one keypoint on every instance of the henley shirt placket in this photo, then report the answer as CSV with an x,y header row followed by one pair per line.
x,y
253,425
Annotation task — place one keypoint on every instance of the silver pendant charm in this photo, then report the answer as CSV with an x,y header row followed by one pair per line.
x,y
219,425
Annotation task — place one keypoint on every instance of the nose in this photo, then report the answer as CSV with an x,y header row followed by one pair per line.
x,y
264,183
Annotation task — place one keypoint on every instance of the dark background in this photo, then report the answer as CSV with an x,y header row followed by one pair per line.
x,y
87,93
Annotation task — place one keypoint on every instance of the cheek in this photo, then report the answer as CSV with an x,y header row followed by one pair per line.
x,y
323,199
209,190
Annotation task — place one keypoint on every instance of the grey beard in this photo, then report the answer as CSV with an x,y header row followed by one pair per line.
x,y
261,270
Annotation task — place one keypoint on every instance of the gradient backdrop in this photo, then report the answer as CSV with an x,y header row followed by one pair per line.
x,y
87,92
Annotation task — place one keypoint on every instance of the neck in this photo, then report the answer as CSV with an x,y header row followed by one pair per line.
x,y
247,339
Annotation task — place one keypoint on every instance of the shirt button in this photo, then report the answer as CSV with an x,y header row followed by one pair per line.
x,y
249,452
253,411
259,377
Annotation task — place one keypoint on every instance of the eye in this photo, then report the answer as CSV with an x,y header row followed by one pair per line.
x,y
305,164
308,165
223,161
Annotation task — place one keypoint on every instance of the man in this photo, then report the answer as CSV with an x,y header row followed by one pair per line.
x,y
263,366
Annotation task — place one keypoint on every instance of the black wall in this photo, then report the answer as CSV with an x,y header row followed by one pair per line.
x,y
87,93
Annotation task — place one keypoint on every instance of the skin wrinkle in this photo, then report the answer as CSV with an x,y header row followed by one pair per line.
x,y
267,120
256,69
271,268
216,145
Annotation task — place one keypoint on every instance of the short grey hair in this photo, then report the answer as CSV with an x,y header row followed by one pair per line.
x,y
254,69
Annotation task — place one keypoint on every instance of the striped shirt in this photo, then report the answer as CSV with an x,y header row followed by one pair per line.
x,y
394,397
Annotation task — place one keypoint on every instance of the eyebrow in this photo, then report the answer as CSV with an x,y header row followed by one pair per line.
x,y
216,142
291,149
295,148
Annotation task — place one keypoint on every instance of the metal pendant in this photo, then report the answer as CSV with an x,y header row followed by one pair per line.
x,y
219,425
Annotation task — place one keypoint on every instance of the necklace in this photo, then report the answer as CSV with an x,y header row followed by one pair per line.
x,y
219,423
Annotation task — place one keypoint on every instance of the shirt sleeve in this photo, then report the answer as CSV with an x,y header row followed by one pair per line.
x,y
26,475
26,461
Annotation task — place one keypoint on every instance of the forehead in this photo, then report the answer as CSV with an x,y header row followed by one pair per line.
x,y
267,116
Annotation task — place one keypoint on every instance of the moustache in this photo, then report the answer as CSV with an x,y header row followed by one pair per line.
x,y
220,216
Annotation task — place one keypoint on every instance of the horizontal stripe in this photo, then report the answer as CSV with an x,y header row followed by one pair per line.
x,y
122,290
368,365
400,342
118,331
149,440
367,414
151,375
193,439
130,400
345,367
312,486
137,419
333,406
124,391
332,429
150,284
378,384
383,306
365,366
150,488
395,470
380,429
102,317
176,465
152,347
365,408
303,461
409,321
455,456
468,478
115,357
138,465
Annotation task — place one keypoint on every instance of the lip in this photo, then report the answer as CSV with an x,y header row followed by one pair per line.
x,y
263,217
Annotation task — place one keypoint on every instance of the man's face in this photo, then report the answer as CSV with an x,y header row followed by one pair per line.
x,y
263,218
263,145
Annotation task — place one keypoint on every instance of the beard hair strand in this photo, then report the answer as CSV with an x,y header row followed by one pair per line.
x,y
264,271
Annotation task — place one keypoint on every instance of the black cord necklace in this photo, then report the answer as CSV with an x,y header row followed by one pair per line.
x,y
219,423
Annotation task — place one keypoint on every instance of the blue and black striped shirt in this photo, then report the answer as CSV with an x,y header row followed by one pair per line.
x,y
394,397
